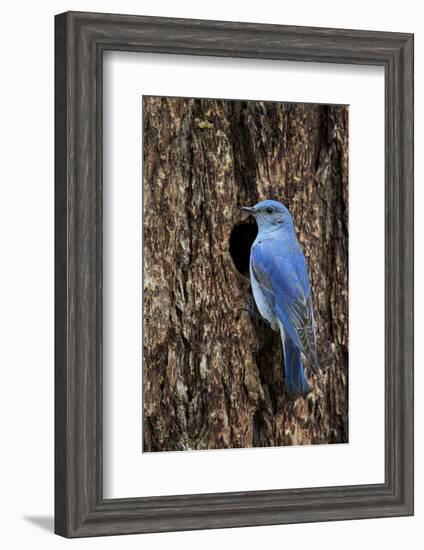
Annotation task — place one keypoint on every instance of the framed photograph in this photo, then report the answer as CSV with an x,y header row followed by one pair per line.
x,y
234,274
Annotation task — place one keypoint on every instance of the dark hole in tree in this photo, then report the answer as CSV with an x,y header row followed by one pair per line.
x,y
241,239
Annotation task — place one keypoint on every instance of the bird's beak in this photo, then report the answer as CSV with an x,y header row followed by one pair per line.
x,y
250,209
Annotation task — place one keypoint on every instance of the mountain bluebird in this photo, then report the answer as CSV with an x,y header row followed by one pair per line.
x,y
280,285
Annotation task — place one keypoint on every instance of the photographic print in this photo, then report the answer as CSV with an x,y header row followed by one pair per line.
x,y
245,274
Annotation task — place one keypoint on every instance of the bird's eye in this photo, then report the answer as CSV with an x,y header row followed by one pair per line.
x,y
270,210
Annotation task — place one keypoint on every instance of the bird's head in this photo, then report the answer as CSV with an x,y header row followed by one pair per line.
x,y
269,214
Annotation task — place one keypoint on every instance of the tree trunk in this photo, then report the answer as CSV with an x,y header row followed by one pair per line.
x,y
213,370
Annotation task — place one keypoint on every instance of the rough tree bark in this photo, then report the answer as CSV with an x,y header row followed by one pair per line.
x,y
212,370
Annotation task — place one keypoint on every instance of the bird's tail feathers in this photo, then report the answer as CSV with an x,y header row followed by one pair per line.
x,y
296,383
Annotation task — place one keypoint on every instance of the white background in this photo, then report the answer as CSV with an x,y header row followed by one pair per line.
x,y
128,472
26,288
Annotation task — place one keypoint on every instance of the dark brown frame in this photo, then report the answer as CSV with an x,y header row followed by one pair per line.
x,y
80,40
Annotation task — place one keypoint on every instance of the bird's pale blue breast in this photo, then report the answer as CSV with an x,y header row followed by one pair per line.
x,y
264,299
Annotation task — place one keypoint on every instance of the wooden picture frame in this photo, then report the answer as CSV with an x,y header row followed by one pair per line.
x,y
81,39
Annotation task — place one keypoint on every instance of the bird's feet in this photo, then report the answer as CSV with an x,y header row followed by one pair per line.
x,y
251,311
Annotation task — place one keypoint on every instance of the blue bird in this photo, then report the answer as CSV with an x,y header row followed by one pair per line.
x,y
280,285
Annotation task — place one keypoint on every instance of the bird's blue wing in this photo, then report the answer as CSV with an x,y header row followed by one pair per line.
x,y
285,284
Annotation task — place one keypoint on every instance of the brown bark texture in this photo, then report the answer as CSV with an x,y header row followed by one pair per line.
x,y
212,369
